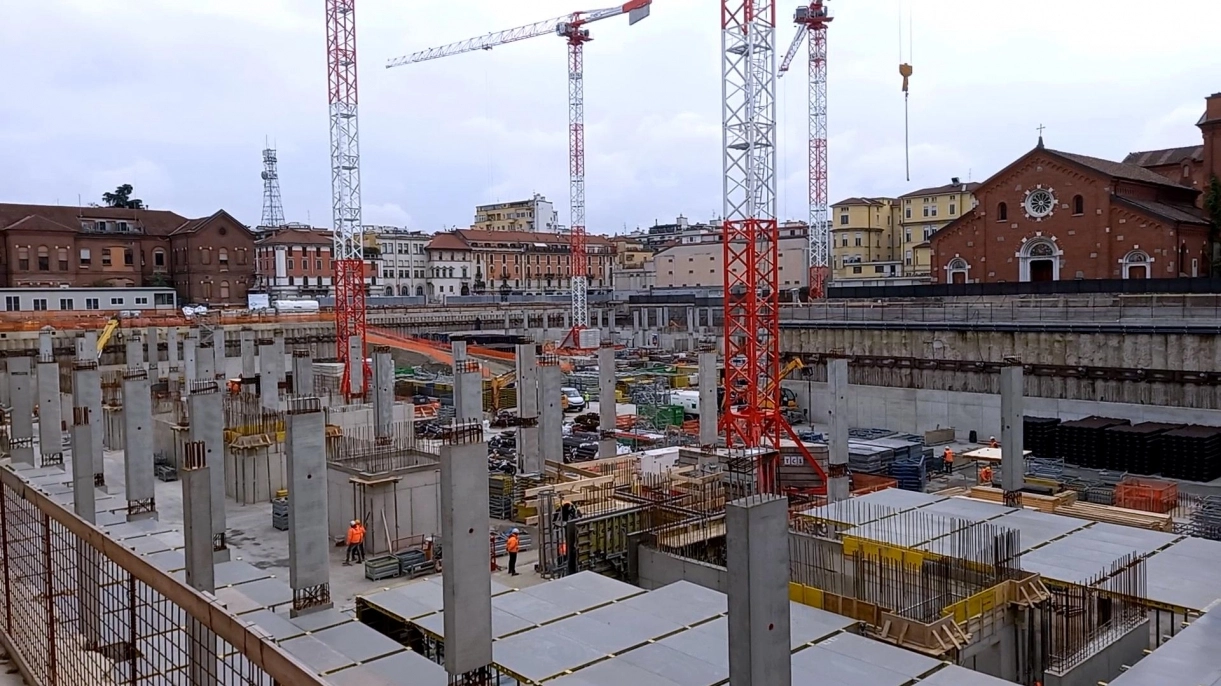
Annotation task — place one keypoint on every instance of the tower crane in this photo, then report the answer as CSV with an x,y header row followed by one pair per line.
x,y
347,251
572,28
812,20
752,416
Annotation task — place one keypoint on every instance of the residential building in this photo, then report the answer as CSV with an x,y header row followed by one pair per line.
x,y
536,214
295,262
513,262
866,242
681,230
403,260
1053,215
633,264
207,260
922,214
700,263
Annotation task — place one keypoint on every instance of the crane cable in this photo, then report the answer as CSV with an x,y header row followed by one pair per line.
x,y
905,70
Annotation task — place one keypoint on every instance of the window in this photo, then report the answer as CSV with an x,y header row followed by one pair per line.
x,y
907,259
1002,212
141,300
44,260
843,219
116,301
318,265
856,270
128,257
857,239
1078,204
907,235
224,290
879,269
62,254
290,263
223,258
85,259
91,304
1186,170
158,258
40,304
928,231
207,289
844,241
23,259
12,303
163,299
953,209
241,257
907,213
66,304
105,257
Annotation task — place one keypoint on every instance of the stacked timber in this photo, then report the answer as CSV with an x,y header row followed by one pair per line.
x,y
1117,515
1042,503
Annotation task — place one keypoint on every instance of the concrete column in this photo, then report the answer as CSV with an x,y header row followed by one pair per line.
x,y
190,368
309,571
691,319
839,486
204,368
196,517
383,392
303,372
138,444
269,391
464,539
356,358
87,393
171,347
757,529
277,345
21,399
134,355
152,354
84,501
218,351
528,447
607,410
707,393
458,348
468,391
50,409
249,367
207,428
1013,463
551,412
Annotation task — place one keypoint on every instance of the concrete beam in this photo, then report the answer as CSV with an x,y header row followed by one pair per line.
x,y
50,404
709,381
1013,463
383,392
607,409
466,584
21,418
529,449
138,444
308,545
207,428
551,411
839,486
84,500
757,529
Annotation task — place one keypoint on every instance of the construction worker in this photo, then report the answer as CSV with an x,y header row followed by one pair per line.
x,y
985,475
511,547
563,555
949,460
993,443
356,543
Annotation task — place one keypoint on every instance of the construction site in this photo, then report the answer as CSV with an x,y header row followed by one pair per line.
x,y
675,491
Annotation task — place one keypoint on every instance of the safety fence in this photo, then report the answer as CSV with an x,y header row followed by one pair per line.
x,y
78,608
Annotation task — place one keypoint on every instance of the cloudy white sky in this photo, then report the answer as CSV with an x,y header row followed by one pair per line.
x,y
176,97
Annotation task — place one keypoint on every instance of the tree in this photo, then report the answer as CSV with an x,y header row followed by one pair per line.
x,y
1212,203
121,197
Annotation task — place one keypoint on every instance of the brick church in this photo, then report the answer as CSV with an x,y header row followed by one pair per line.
x,y
1053,215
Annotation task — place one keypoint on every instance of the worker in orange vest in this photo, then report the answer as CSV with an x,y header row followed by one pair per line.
x,y
356,543
949,460
511,547
985,475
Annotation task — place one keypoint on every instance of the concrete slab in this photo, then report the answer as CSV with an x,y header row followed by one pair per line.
x,y
582,591
531,608
809,624
275,625
267,592
237,602
898,499
391,671
613,672
676,666
503,623
1185,574
816,666
317,655
396,603
953,675
682,602
324,619
1038,528
615,628
906,529
169,561
544,653
879,654
1188,658
966,508
357,641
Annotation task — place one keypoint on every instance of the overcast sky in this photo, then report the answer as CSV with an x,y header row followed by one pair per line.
x,y
176,97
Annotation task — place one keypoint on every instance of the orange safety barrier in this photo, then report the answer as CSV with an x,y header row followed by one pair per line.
x,y
1148,495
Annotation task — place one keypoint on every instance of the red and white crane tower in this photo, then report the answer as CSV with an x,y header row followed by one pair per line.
x,y
812,20
347,252
572,28
752,416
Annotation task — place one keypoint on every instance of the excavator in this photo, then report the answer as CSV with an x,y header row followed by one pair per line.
x,y
108,332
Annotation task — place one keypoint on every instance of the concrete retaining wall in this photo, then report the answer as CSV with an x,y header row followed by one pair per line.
x,y
656,569
1106,664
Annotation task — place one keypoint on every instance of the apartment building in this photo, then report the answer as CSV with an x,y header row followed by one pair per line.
x,y
536,214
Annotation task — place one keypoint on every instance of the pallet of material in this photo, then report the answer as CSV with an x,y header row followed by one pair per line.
x,y
1042,503
1117,515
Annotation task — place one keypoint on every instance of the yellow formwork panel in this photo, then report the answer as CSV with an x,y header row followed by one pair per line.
x,y
907,556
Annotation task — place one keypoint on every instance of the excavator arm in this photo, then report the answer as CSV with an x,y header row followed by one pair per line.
x,y
107,333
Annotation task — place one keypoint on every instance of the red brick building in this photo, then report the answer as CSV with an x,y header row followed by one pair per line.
x,y
1053,215
207,260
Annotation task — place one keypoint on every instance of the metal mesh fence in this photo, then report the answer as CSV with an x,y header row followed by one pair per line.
x,y
77,608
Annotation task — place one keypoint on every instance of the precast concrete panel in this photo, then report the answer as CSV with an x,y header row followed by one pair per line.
x,y
464,538
757,532
308,543
137,437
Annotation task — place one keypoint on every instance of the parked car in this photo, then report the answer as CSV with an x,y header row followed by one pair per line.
x,y
573,401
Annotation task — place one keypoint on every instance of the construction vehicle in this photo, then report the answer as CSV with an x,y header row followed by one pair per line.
x,y
498,384
108,332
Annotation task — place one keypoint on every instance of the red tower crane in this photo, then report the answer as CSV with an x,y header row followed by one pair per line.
x,y
752,417
812,19
347,253
572,28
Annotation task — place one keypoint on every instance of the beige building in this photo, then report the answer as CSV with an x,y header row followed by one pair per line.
x,y
536,215
923,213
700,264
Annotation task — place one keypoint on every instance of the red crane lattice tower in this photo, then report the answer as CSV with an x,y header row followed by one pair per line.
x,y
752,417
812,19
347,253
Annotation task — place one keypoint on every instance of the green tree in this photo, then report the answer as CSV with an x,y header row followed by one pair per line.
x,y
1212,203
121,197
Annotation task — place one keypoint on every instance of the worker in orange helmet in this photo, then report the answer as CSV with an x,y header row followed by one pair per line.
x,y
985,475
948,460
512,545
356,543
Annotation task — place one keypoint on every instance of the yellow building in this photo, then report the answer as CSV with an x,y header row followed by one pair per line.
x,y
922,213
863,240
535,215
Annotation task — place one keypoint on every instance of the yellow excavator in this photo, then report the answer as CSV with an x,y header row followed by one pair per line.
x,y
107,333
499,383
